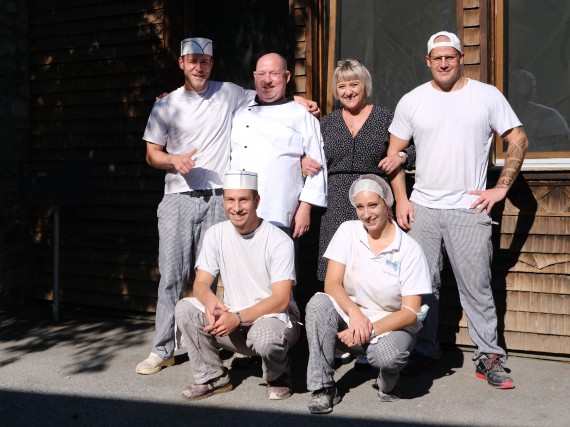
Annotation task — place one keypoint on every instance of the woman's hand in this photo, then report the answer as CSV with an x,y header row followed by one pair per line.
x,y
310,166
359,331
390,163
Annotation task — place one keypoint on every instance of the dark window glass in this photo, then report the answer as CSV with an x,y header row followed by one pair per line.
x,y
390,39
537,35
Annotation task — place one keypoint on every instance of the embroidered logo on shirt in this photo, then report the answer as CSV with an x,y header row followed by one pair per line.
x,y
392,267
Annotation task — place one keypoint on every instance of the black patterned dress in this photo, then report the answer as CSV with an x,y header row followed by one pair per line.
x,y
347,158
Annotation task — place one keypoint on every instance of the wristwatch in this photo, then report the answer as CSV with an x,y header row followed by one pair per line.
x,y
403,156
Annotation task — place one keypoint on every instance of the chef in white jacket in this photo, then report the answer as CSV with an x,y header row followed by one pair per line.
x,y
269,136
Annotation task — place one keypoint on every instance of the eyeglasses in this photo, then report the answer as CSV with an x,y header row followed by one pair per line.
x,y
448,58
348,63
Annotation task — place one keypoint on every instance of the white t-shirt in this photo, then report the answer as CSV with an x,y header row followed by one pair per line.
x,y
452,132
376,283
270,140
248,264
185,120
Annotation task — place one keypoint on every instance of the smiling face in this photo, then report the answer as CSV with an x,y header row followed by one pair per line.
x,y
240,207
197,69
351,94
271,77
445,65
372,211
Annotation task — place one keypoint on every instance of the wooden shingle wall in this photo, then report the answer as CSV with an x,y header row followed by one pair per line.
x,y
534,258
472,25
531,270
301,14
96,67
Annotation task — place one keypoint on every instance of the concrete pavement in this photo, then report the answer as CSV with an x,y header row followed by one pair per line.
x,y
81,372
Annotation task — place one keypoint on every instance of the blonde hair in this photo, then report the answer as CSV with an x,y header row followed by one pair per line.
x,y
351,69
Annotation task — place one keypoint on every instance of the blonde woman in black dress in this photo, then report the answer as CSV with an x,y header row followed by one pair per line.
x,y
355,140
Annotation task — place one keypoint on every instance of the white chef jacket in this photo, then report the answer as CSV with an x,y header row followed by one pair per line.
x,y
270,139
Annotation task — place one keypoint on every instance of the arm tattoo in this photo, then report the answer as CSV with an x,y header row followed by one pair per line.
x,y
514,158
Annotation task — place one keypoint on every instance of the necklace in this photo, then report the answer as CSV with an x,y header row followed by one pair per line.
x,y
354,126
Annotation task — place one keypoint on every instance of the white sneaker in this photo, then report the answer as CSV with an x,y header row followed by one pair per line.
x,y
341,358
153,363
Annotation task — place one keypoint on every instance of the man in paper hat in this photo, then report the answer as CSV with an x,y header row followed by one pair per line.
x,y
258,316
452,120
188,136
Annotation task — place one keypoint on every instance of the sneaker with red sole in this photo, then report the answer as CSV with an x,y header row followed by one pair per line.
x,y
489,367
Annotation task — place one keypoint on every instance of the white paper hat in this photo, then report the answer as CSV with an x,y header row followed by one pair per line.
x,y
374,183
197,45
453,41
240,180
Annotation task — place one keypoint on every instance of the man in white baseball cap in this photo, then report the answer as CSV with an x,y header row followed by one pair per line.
x,y
452,120
258,315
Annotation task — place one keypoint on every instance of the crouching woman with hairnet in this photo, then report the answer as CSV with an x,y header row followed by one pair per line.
x,y
375,279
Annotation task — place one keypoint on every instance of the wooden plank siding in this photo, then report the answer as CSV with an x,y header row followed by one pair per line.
x,y
300,14
96,67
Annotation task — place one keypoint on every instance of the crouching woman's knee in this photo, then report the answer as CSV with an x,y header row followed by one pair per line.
x,y
391,352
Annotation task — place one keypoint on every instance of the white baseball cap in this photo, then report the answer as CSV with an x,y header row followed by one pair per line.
x,y
240,180
199,45
453,41
374,183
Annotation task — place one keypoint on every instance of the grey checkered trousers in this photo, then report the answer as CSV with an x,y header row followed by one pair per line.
x,y
268,337
389,355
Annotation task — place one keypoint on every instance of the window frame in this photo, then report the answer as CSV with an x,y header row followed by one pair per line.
x,y
533,160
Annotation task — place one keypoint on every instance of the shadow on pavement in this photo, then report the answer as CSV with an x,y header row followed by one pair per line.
x,y
27,409
32,331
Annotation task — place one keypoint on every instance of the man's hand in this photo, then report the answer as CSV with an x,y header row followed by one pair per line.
x,y
302,221
311,106
185,162
359,331
405,214
214,309
310,166
162,95
226,322
488,198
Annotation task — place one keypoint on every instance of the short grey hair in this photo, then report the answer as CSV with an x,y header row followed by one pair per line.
x,y
351,69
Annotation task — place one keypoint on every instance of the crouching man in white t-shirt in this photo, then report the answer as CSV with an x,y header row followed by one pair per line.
x,y
258,315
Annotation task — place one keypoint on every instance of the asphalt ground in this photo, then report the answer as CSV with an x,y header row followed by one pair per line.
x,y
80,371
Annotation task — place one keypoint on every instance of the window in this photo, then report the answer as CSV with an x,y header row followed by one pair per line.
x,y
537,76
390,39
